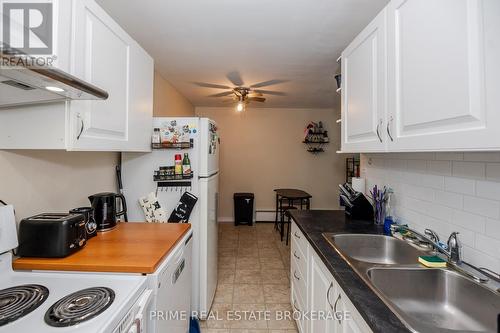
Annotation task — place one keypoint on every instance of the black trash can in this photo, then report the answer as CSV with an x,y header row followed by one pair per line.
x,y
243,208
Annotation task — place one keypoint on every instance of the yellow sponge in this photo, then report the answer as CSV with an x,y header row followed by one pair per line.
x,y
431,261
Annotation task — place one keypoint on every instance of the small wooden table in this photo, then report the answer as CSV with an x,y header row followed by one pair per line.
x,y
292,195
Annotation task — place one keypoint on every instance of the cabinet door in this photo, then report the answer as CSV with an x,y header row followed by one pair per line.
x,y
101,56
439,63
364,89
352,322
322,289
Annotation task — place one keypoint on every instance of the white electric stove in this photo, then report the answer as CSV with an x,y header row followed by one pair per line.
x,y
67,302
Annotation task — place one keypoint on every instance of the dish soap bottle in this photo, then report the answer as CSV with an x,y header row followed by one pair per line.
x,y
389,214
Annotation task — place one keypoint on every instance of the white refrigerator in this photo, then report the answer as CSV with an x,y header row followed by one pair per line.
x,y
137,174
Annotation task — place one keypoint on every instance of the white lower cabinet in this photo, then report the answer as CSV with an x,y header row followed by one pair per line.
x,y
323,305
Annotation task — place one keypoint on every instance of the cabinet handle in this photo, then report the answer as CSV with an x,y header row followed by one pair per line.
x,y
335,309
295,255
295,275
389,129
81,128
328,295
295,234
378,132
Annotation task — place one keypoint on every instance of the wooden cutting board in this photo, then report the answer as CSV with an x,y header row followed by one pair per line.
x,y
128,248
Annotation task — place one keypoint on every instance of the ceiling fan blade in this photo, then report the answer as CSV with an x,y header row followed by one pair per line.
x,y
267,83
270,92
222,94
255,94
257,99
235,78
211,85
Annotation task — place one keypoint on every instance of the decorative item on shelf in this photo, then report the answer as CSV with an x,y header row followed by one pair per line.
x,y
352,168
315,137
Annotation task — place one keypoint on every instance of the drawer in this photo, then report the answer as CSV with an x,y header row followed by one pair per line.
x,y
298,279
299,305
299,237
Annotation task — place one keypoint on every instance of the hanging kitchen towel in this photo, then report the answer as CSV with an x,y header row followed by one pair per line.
x,y
153,212
183,209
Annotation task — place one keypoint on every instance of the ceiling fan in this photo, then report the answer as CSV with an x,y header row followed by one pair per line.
x,y
242,94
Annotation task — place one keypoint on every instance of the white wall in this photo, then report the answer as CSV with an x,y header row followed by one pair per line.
x,y
41,181
445,192
262,149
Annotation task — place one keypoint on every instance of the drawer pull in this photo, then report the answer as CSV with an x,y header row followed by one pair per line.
x,y
295,275
328,295
335,309
295,255
296,235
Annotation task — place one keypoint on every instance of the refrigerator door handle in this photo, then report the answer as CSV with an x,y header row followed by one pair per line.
x,y
209,176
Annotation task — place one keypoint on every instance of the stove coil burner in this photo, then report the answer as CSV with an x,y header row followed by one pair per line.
x,y
79,306
18,301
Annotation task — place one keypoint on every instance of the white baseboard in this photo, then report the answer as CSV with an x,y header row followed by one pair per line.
x,y
262,215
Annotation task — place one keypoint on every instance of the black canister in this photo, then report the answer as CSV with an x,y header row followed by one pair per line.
x,y
90,224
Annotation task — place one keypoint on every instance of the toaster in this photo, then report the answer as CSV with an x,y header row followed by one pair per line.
x,y
51,235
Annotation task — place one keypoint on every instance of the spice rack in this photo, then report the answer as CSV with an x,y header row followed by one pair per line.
x,y
173,145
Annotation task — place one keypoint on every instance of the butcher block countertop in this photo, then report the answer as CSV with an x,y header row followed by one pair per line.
x,y
128,248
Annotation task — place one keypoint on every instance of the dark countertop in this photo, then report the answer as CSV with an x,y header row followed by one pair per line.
x,y
374,311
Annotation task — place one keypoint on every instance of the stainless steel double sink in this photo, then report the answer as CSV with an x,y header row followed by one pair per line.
x,y
425,299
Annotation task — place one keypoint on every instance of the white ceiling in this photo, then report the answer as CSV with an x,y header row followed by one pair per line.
x,y
297,41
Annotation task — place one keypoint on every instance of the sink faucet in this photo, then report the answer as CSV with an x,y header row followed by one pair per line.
x,y
453,251
455,248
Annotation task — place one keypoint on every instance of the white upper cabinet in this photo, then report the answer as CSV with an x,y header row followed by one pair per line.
x,y
437,71
106,56
443,76
91,46
363,89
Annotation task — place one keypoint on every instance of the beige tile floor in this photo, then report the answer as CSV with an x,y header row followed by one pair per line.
x,y
253,276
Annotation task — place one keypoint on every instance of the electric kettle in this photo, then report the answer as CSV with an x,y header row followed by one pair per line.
x,y
105,209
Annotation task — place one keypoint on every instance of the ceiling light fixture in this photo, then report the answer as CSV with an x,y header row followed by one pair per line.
x,y
54,89
240,107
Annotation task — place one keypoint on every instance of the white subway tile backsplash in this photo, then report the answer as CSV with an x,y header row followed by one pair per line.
x,y
432,181
476,170
488,245
417,166
446,191
439,167
460,185
449,199
449,156
493,171
482,156
480,259
418,192
488,190
469,221
493,228
483,207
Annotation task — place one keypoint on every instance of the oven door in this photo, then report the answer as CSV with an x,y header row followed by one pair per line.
x,y
140,311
